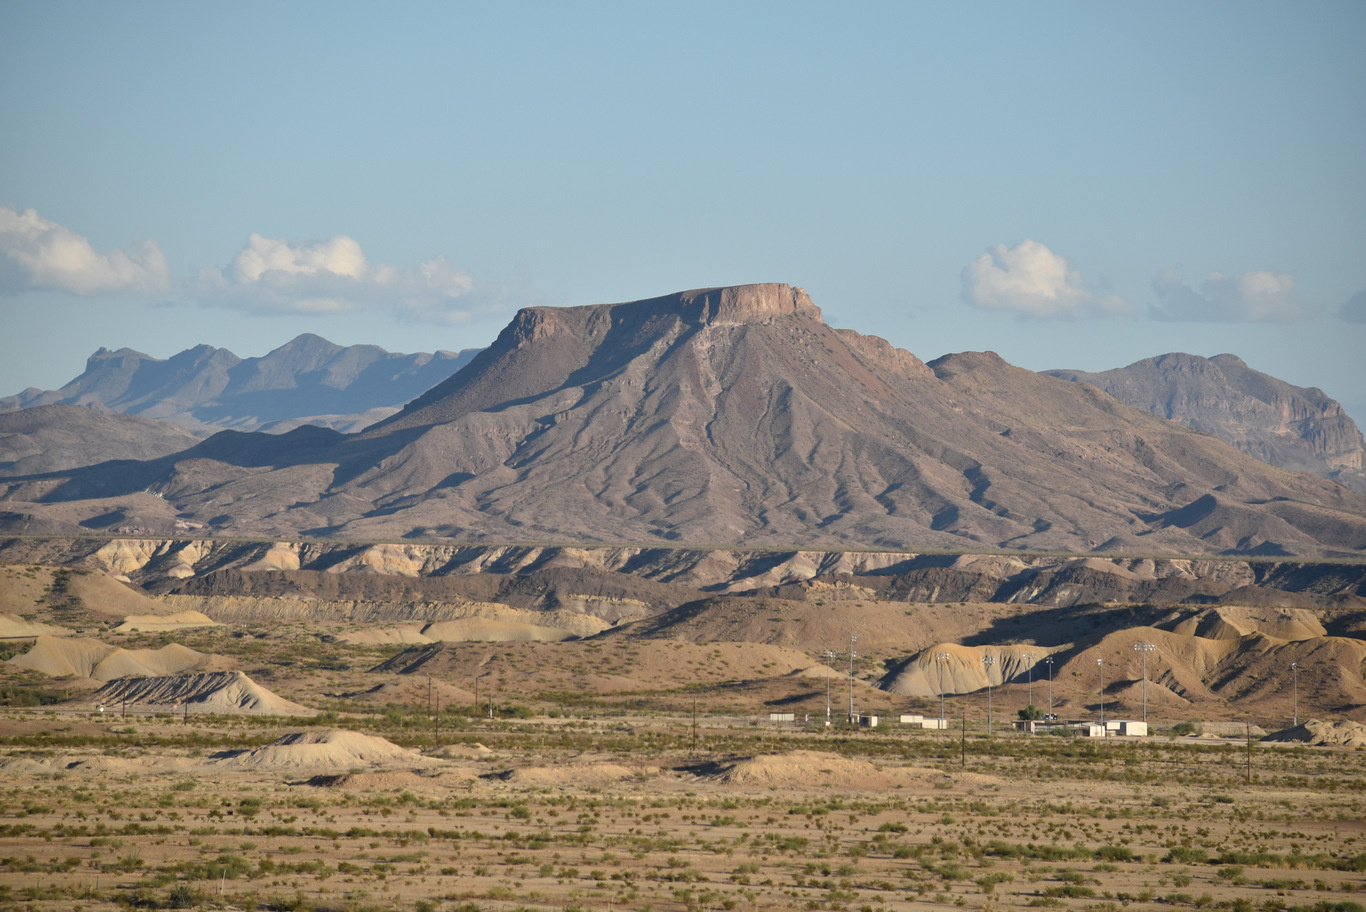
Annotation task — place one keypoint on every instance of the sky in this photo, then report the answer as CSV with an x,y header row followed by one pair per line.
x,y
1071,185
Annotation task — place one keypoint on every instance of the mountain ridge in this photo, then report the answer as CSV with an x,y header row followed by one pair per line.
x,y
733,417
308,380
1298,428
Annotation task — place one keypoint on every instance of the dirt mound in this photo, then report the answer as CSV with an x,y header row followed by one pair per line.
x,y
578,774
1231,730
13,628
474,751
157,623
1317,731
809,769
331,748
63,764
84,657
209,692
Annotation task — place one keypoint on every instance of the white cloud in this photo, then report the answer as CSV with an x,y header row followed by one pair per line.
x,y
1033,281
1354,311
271,276
1249,297
36,253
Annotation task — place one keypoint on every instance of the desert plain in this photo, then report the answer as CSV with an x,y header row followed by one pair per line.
x,y
168,759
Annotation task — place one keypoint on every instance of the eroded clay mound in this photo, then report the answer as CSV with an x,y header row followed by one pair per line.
x,y
585,774
84,657
218,691
331,748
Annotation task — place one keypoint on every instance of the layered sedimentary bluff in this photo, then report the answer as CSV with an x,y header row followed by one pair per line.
x,y
725,417
414,581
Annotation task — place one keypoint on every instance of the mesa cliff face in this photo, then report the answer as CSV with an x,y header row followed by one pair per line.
x,y
729,417
1288,426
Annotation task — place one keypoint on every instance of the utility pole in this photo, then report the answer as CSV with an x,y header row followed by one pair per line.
x,y
987,662
1100,663
1295,670
852,655
1030,657
828,655
1048,660
1143,649
941,658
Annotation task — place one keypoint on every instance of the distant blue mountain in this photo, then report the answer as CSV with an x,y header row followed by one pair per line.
x,y
308,380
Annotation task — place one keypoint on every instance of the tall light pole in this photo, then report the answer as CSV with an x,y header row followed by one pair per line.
x,y
1030,657
1048,660
852,655
1143,649
1100,663
828,654
987,662
941,658
1295,670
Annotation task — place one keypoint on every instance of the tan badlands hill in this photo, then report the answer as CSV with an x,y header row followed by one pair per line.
x,y
84,657
733,416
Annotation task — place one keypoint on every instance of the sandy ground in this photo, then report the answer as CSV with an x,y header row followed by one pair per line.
x,y
637,814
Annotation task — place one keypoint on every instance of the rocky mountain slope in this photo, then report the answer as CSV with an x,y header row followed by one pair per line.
x,y
1284,425
53,438
305,381
723,417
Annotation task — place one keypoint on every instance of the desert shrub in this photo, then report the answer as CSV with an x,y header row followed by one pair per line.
x,y
1355,863
183,896
988,882
1186,855
1255,859
25,695
1186,728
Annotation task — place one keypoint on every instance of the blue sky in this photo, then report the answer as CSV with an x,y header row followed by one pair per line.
x,y
1070,185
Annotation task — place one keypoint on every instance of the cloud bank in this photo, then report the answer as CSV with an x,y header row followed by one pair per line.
x,y
1249,297
271,276
1032,281
38,254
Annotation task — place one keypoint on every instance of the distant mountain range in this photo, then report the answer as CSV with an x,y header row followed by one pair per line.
x,y
1287,426
730,416
308,380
